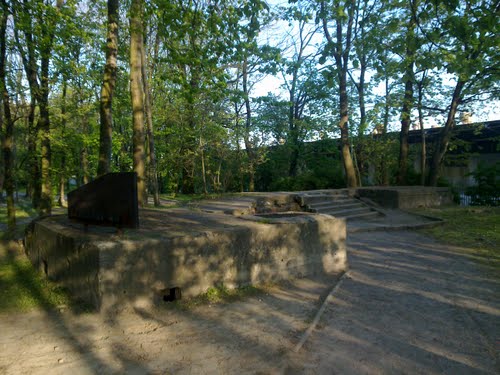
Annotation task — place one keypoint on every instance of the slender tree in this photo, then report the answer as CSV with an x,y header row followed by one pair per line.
x,y
296,77
466,36
8,137
107,90
137,96
151,155
408,78
338,45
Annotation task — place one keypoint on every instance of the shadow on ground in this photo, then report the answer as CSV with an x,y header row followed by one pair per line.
x,y
410,305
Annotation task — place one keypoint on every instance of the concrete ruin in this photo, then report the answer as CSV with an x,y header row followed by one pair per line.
x,y
184,249
405,197
233,242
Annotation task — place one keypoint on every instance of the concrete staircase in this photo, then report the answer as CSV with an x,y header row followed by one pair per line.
x,y
337,203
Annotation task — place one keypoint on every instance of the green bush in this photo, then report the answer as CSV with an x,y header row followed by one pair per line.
x,y
487,190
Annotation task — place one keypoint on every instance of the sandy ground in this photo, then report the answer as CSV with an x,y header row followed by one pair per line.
x,y
408,306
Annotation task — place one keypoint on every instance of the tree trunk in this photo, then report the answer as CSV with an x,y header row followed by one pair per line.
x,y
249,147
153,176
26,49
342,45
84,163
405,128
44,119
344,132
387,106
44,126
423,148
2,169
445,135
136,93
62,172
203,170
361,97
107,90
407,104
31,146
8,139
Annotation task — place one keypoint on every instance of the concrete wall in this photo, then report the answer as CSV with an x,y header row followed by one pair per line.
x,y
112,272
406,196
459,176
66,257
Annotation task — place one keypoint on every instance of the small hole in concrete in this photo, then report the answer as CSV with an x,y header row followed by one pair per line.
x,y
174,295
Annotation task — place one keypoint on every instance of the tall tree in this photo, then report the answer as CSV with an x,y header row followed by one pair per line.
x,y
408,78
8,136
466,35
338,46
48,21
107,90
297,74
137,96
151,154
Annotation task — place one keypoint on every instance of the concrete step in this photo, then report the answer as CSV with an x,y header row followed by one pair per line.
x,y
365,215
343,203
344,212
316,198
334,207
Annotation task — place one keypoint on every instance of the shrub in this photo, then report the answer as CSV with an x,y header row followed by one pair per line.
x,y
487,190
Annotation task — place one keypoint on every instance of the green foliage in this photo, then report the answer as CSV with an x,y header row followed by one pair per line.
x,y
319,168
195,53
487,190
377,158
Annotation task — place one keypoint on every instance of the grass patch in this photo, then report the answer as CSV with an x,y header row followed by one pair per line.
x,y
24,210
22,288
218,295
476,230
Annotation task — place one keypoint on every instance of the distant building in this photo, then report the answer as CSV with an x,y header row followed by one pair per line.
x,y
473,144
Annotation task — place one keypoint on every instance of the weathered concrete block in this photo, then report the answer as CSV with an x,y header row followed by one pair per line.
x,y
109,271
405,197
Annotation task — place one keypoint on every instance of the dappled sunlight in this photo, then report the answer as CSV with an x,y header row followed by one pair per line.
x,y
411,289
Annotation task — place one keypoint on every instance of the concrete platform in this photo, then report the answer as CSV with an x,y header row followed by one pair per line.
x,y
184,249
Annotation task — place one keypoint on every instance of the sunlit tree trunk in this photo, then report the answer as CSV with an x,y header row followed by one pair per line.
x,y
341,47
62,172
203,169
8,139
137,96
107,90
149,130
49,21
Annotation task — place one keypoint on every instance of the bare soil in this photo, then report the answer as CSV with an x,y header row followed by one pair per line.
x,y
249,336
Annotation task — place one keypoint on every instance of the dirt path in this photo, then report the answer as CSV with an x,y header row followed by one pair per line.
x,y
409,305
246,337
